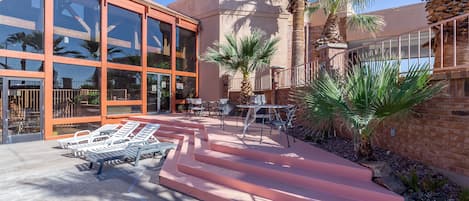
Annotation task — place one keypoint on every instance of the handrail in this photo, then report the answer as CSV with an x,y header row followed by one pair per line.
x,y
428,28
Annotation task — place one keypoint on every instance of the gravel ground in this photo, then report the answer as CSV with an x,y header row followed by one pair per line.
x,y
448,191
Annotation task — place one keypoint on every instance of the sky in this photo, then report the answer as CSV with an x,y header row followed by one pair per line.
x,y
378,4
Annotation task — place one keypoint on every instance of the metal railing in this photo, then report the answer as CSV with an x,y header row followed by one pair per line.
x,y
443,45
437,44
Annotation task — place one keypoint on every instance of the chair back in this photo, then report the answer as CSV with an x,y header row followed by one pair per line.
x,y
223,101
145,133
105,128
258,99
196,101
126,129
291,115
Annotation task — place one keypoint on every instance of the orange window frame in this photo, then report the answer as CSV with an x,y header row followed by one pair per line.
x,y
49,59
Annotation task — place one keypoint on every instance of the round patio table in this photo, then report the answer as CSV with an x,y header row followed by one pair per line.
x,y
252,113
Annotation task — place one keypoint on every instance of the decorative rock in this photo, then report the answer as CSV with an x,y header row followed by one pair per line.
x,y
392,183
379,168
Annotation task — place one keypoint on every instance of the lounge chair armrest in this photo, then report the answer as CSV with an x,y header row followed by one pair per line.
x,y
116,141
82,131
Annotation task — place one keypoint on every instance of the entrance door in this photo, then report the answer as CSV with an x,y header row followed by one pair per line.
x,y
158,93
22,110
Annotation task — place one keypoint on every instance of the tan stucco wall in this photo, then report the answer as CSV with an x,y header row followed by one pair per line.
x,y
398,21
219,17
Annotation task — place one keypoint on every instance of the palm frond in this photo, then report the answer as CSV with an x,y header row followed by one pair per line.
x,y
360,5
309,10
247,55
365,23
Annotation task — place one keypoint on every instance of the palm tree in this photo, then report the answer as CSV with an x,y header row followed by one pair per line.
x,y
332,8
248,55
370,93
297,8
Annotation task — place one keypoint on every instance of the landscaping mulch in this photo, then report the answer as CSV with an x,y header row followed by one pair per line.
x,y
402,167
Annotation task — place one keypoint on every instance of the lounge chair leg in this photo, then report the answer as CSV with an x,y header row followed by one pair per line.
x,y
100,170
137,159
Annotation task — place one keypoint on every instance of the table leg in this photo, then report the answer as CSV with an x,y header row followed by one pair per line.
x,y
246,120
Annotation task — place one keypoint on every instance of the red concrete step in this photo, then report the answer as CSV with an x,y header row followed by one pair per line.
x,y
337,166
249,183
197,187
350,188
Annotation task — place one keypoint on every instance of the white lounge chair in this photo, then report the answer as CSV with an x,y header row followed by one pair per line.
x,y
89,136
120,135
131,152
142,137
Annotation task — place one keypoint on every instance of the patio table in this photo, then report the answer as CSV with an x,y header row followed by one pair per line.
x,y
252,113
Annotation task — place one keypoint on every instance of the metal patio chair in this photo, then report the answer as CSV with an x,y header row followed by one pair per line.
x,y
286,124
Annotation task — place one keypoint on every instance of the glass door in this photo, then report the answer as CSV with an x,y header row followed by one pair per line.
x,y
22,110
158,93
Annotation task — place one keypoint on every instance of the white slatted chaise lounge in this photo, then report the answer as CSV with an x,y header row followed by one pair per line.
x,y
131,152
142,137
120,135
101,133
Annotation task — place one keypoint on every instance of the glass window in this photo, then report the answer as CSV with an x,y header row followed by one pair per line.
x,y
185,50
22,25
8,63
76,91
159,44
185,87
124,36
63,129
77,29
131,109
123,85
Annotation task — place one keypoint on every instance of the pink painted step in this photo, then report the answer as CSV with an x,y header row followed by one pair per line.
x,y
197,187
355,189
347,170
250,183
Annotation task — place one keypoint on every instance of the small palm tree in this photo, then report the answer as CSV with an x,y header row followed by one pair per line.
x,y
248,55
370,93
360,22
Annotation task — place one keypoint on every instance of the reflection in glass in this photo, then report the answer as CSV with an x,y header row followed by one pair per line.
x,y
77,28
159,44
131,109
8,63
22,25
124,36
185,87
123,85
76,91
158,93
185,50
63,129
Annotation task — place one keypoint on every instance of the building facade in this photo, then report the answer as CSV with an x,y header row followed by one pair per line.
x,y
68,65
221,17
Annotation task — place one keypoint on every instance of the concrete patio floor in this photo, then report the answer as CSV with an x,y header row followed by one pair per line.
x,y
38,171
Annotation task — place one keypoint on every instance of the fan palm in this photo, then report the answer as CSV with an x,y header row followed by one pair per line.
x,y
370,93
360,22
246,56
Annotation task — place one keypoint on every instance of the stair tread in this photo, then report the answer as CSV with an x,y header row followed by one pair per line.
x,y
186,164
282,169
270,184
199,187
319,156
288,157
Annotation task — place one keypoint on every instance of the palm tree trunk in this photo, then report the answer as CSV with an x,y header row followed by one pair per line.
x,y
365,150
298,35
331,31
246,90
